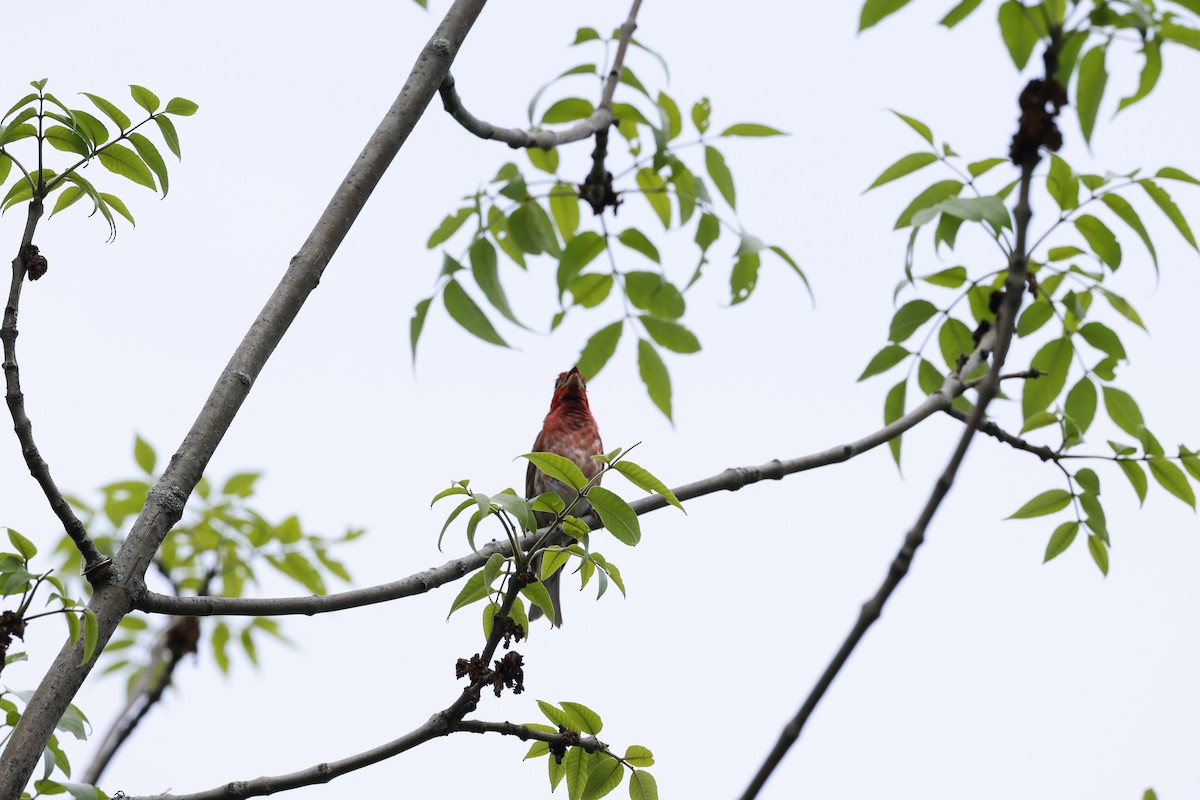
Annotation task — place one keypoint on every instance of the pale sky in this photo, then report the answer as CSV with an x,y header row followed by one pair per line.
x,y
989,676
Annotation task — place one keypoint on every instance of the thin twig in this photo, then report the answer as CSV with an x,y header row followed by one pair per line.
x,y
598,120
96,565
166,500
523,732
1000,336
440,724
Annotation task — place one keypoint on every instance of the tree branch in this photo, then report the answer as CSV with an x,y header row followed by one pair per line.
x,y
729,480
96,565
1035,131
990,428
440,724
525,733
598,120
166,500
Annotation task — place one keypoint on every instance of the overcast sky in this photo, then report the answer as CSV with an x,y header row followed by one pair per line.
x,y
989,676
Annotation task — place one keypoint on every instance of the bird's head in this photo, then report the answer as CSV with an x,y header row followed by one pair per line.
x,y
571,387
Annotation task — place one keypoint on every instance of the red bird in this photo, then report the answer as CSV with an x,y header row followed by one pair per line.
x,y
569,431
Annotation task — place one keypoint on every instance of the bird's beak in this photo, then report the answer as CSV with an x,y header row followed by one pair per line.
x,y
575,380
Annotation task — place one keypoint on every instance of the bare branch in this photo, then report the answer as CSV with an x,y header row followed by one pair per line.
x,y
525,733
599,120
166,500
1039,104
729,480
996,432
96,565
440,724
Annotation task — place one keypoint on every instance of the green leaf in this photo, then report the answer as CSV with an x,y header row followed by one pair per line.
x,y
568,109
1172,478
474,590
1060,540
640,477
1137,478
893,409
487,276
654,375
144,98
1062,184
1124,211
564,207
906,165
449,226
122,161
951,278
931,196
642,786
604,776
91,635
1149,75
1054,362
672,119
532,230
918,126
26,548
591,290
582,719
639,756
885,359
579,252
1123,410
977,209
671,335
1034,317
875,10
1018,32
67,140
149,153
654,189
180,107
559,468
954,340
600,348
1089,88
170,136
466,313
636,240
911,316
977,168
1099,553
575,767
744,277
143,455
751,129
116,204
417,323
1081,403
700,113
1039,420
537,594
109,110
545,160
1171,173
714,162
1168,207
1045,503
959,13
1100,239
1104,339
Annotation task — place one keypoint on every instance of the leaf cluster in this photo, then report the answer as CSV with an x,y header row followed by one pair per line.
x,y
590,775
42,119
551,514
525,217
218,548
1078,350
